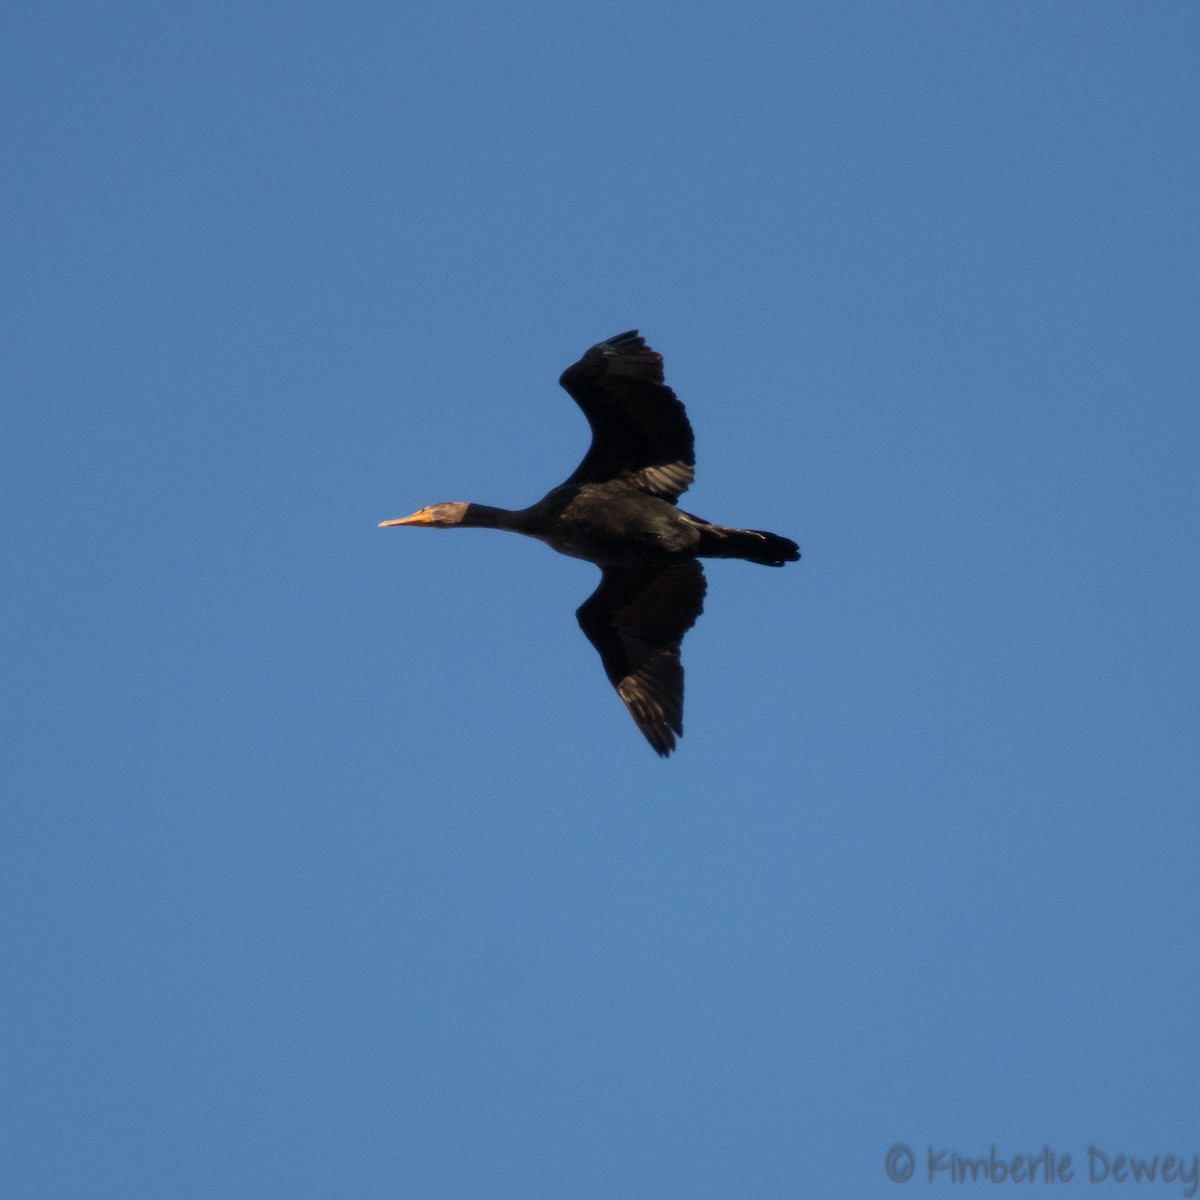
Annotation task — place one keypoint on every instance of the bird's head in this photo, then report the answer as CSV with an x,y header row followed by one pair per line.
x,y
439,516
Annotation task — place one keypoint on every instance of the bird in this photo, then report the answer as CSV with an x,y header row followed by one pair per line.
x,y
618,510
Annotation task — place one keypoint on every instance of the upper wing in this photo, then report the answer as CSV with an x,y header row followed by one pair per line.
x,y
640,431
636,618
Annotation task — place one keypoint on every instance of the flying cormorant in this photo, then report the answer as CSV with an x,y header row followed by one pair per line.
x,y
618,511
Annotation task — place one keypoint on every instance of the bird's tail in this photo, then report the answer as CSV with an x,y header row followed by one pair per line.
x,y
754,545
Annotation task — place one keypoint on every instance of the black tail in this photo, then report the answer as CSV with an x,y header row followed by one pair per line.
x,y
721,541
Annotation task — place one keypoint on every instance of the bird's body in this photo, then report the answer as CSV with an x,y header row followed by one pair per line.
x,y
618,511
613,524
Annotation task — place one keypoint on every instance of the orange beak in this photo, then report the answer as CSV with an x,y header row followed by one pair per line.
x,y
418,518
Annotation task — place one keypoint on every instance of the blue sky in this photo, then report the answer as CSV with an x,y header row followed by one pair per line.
x,y
332,866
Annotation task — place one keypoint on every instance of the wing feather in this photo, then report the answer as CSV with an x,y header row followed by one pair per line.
x,y
636,619
640,430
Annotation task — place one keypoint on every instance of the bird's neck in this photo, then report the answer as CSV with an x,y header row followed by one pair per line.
x,y
486,516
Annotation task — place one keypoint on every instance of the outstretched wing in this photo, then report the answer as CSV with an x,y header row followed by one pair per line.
x,y
640,431
636,618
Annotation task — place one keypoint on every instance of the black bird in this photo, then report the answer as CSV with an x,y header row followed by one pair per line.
x,y
618,511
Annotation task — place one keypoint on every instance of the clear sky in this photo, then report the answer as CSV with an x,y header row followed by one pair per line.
x,y
332,865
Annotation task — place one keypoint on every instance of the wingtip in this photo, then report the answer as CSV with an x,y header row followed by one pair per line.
x,y
662,741
624,340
